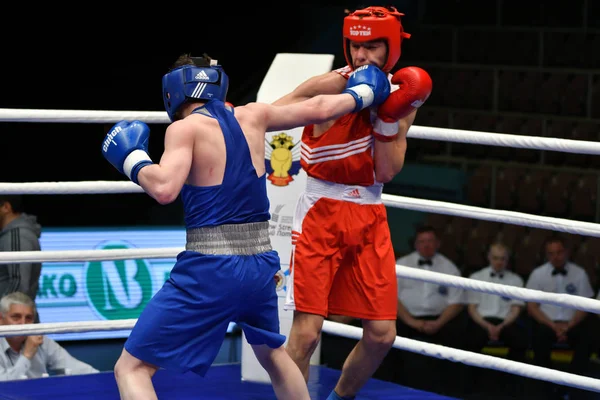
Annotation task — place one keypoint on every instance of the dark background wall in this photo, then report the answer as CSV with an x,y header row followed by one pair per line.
x,y
512,66
112,60
529,68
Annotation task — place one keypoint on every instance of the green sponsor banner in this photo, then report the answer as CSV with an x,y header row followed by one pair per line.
x,y
112,290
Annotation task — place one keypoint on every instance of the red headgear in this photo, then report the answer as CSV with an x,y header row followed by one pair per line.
x,y
374,23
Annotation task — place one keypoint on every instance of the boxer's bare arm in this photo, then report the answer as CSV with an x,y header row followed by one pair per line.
x,y
163,181
316,110
389,156
327,83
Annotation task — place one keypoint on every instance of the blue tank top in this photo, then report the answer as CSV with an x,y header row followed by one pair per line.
x,y
242,197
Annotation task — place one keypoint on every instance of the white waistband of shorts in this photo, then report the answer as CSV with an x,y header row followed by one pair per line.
x,y
354,193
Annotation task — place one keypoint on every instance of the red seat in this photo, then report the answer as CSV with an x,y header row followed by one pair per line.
x,y
583,198
574,96
450,246
527,256
529,193
537,238
561,130
510,234
474,251
507,180
470,122
439,222
596,97
586,131
548,94
479,186
430,117
557,192
587,257
460,227
508,79
488,231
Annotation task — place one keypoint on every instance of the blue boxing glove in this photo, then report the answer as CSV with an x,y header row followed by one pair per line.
x,y
368,85
126,147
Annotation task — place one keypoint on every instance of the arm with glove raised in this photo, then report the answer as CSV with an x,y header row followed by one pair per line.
x,y
327,83
367,86
126,148
394,118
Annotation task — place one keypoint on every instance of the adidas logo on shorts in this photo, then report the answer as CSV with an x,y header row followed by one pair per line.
x,y
201,76
352,193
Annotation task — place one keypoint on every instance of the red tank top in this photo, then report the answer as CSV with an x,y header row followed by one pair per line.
x,y
343,154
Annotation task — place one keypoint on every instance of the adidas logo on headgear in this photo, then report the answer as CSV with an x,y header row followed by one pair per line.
x,y
201,75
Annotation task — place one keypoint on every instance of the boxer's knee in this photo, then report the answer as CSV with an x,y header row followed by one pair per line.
x,y
304,335
128,364
379,335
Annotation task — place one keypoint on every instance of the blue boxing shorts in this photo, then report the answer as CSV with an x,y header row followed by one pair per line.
x,y
183,326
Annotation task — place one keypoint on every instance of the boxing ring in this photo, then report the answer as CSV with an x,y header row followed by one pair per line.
x,y
226,378
221,382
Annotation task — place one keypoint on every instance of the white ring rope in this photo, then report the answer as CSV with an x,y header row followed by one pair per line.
x,y
439,207
514,292
504,140
415,131
81,116
560,299
45,328
82,187
10,257
352,332
504,216
419,132
474,359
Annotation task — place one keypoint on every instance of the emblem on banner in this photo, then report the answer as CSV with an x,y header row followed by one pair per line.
x,y
118,289
282,159
279,280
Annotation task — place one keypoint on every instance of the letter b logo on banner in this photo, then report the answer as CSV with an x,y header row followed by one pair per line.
x,y
118,289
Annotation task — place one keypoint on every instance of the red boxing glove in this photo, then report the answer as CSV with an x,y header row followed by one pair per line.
x,y
414,89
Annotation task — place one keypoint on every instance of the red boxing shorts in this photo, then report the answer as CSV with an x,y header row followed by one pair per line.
x,y
342,260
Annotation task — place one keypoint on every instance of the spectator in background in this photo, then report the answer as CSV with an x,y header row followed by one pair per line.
x,y
430,312
427,308
492,317
33,356
553,324
19,231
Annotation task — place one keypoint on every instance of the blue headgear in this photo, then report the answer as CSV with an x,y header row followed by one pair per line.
x,y
202,82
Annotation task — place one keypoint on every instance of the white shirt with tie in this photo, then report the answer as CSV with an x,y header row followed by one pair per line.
x,y
575,282
493,305
425,298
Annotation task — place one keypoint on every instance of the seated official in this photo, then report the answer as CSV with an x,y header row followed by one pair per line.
x,y
493,318
553,324
565,325
33,356
428,312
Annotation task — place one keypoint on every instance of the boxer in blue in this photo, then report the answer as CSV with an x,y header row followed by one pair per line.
x,y
214,158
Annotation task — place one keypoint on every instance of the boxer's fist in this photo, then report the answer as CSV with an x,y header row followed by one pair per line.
x,y
126,147
369,86
414,89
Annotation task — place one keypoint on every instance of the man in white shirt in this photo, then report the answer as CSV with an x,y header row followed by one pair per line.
x,y
23,357
429,311
493,318
552,324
